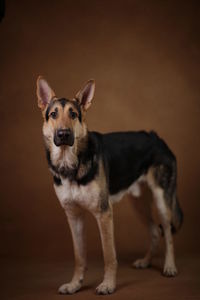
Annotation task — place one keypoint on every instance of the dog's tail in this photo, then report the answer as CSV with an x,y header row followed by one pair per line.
x,y
177,218
171,196
177,215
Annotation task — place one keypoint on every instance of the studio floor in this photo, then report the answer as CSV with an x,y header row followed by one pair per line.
x,y
40,280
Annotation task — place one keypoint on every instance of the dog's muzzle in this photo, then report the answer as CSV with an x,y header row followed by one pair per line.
x,y
63,137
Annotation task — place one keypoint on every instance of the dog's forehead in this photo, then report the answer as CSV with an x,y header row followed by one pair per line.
x,y
65,104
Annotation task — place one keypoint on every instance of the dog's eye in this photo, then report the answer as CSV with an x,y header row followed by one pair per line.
x,y
53,114
72,114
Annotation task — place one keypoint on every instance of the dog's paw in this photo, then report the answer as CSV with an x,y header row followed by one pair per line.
x,y
170,271
69,288
141,263
105,288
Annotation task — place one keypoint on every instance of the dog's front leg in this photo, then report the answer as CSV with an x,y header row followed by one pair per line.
x,y
76,222
105,223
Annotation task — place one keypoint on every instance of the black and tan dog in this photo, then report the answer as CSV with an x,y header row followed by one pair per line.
x,y
92,170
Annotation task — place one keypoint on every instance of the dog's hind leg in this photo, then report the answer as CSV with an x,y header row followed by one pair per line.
x,y
162,181
76,222
144,208
166,218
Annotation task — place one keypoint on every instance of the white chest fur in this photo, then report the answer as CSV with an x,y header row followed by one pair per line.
x,y
86,196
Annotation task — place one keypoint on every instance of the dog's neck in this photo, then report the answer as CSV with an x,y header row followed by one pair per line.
x,y
64,156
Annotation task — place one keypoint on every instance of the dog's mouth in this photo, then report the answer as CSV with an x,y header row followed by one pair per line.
x,y
64,137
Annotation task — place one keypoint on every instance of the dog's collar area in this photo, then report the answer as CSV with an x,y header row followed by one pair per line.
x,y
73,174
85,170
60,171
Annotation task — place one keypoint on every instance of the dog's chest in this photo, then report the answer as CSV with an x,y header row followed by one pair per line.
x,y
86,196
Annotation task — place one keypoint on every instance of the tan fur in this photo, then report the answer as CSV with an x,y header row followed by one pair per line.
x,y
63,121
75,217
105,223
94,196
166,218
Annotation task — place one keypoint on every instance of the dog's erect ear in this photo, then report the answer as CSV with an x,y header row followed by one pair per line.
x,y
86,94
44,92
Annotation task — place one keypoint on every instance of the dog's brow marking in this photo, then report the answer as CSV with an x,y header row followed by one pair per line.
x,y
63,101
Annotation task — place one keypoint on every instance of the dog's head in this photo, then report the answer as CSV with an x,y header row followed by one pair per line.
x,y
64,119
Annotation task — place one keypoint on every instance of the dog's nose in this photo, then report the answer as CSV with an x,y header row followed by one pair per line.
x,y
63,133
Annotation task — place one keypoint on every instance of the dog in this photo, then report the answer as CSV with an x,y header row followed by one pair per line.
x,y
92,170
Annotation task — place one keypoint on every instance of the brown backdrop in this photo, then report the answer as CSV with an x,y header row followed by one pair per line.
x,y
144,56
